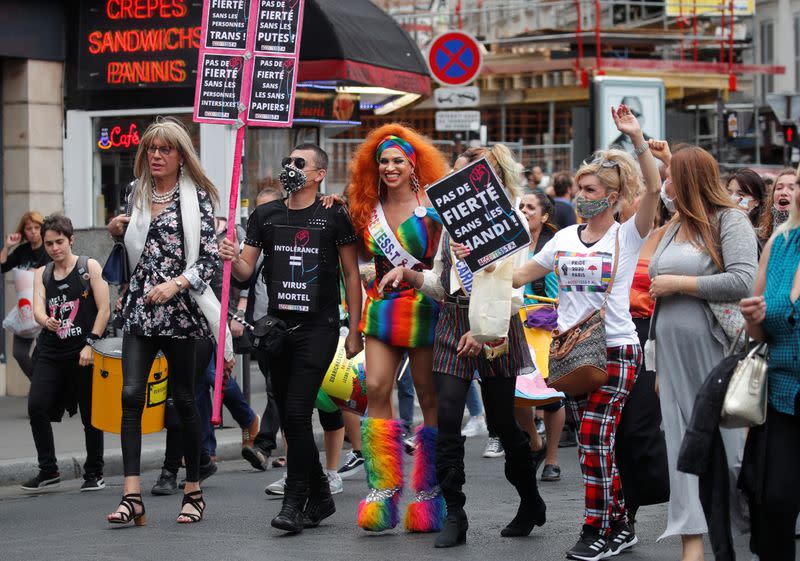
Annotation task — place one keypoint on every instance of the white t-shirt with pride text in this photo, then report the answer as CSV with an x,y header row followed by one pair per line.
x,y
584,273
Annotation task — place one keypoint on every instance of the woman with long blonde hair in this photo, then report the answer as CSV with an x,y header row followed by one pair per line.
x,y
167,306
392,214
583,257
458,356
708,253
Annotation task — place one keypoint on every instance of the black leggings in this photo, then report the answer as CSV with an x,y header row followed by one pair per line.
x,y
297,375
498,401
174,449
138,354
22,354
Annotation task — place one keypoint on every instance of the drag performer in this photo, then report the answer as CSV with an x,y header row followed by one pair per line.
x,y
457,356
391,213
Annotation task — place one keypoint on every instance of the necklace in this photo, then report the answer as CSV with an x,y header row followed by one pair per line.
x,y
162,198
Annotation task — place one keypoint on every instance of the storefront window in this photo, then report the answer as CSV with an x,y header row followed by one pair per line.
x,y
116,140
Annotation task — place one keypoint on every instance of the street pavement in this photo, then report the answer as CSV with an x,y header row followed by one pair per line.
x,y
64,524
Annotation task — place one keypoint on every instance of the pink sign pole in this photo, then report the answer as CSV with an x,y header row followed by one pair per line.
x,y
216,412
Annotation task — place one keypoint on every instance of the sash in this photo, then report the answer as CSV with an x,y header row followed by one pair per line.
x,y
463,274
382,234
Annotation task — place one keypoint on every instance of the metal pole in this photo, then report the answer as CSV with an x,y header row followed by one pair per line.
x,y
246,376
502,117
758,133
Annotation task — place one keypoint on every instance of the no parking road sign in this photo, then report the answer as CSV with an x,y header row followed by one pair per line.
x,y
454,58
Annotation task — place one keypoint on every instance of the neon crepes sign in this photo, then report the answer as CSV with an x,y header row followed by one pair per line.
x,y
138,43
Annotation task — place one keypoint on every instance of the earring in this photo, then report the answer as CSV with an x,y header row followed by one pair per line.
x,y
379,187
414,182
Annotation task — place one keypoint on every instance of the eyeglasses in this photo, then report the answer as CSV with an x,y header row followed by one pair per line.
x,y
299,163
163,150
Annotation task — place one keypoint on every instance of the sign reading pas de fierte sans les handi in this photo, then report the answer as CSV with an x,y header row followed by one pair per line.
x,y
476,212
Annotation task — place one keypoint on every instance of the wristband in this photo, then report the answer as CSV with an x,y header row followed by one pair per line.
x,y
641,149
91,341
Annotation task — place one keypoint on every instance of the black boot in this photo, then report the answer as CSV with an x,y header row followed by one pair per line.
x,y
520,471
290,518
450,472
320,503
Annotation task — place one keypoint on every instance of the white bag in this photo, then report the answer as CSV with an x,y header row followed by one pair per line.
x,y
20,319
490,302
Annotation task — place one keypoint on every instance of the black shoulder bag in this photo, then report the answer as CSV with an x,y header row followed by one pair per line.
x,y
116,270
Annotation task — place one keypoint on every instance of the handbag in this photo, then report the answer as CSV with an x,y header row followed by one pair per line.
x,y
116,270
745,403
269,334
578,356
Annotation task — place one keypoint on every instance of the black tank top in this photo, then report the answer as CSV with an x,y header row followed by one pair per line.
x,y
73,305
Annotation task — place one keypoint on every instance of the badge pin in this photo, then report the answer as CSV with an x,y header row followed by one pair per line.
x,y
420,212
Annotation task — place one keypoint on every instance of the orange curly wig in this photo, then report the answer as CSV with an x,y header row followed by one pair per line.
x,y
362,191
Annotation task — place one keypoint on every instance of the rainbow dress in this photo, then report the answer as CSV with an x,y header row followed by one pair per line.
x,y
403,316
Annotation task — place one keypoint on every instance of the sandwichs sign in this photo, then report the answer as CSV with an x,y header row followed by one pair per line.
x,y
476,212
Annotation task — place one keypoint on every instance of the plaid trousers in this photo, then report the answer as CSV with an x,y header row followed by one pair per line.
x,y
597,417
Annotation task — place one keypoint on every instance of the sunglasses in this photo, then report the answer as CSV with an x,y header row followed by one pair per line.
x,y
602,162
299,163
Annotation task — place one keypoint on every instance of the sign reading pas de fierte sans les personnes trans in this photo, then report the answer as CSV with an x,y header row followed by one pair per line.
x,y
476,212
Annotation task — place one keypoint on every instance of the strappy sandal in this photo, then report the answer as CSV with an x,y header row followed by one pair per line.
x,y
129,501
195,498
279,462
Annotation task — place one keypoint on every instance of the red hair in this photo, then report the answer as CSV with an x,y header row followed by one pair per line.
x,y
362,191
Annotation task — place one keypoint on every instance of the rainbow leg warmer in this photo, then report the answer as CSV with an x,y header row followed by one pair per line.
x,y
382,445
426,513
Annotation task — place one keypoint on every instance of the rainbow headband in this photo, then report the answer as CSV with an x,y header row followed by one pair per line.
x,y
393,141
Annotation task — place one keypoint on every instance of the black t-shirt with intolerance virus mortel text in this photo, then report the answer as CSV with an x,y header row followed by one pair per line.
x,y
301,258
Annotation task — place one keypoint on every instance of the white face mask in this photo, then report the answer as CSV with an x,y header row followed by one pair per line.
x,y
669,203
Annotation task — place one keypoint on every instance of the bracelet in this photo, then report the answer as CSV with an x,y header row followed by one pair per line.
x,y
641,149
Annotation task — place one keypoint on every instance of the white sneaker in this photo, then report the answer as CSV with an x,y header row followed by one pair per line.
x,y
276,489
493,448
474,427
335,481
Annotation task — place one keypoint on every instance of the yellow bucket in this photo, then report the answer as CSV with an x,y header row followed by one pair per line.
x,y
107,389
345,380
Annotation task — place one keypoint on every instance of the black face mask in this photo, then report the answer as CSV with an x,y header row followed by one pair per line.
x,y
292,179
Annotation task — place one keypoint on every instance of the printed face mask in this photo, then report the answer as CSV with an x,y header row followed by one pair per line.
x,y
779,217
669,203
590,209
292,179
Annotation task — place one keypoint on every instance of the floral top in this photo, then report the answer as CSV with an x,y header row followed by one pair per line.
x,y
164,258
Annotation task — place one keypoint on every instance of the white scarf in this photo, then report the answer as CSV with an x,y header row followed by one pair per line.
x,y
136,236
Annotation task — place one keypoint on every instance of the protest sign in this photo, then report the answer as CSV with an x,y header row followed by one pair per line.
x,y
227,24
278,22
476,212
218,98
272,87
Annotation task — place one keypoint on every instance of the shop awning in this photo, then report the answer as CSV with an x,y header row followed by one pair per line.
x,y
355,42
